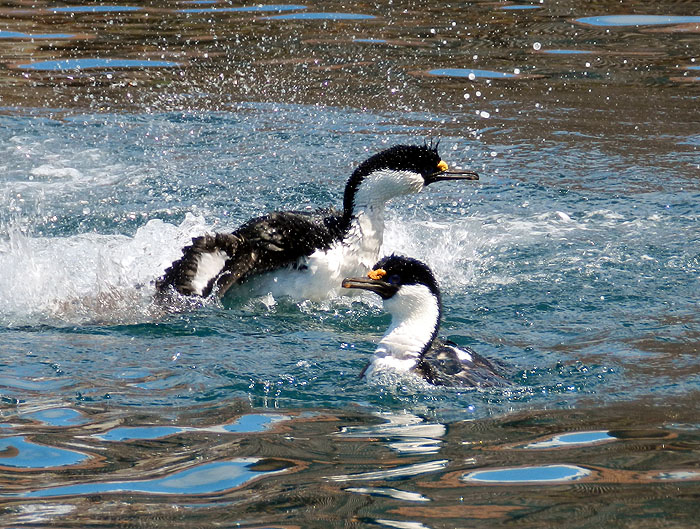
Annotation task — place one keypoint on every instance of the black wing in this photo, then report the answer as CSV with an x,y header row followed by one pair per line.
x,y
447,364
260,245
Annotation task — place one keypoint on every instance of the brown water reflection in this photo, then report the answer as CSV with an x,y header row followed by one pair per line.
x,y
632,73
302,464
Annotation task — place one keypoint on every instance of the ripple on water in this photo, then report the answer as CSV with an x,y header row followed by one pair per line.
x,y
472,74
16,451
532,474
520,7
572,440
95,9
94,64
636,20
251,423
399,472
58,417
396,494
566,52
38,36
320,16
203,479
245,9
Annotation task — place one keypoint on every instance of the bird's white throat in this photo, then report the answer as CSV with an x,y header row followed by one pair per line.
x,y
383,185
415,314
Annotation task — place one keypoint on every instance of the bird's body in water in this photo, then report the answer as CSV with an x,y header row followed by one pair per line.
x,y
306,255
412,297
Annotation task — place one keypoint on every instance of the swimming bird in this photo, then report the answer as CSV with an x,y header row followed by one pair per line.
x,y
303,254
411,295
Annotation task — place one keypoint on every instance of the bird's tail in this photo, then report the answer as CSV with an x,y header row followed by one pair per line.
x,y
203,264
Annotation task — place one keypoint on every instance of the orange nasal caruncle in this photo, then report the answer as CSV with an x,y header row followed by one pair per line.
x,y
376,274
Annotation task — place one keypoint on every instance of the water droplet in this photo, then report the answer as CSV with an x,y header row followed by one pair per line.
x,y
537,46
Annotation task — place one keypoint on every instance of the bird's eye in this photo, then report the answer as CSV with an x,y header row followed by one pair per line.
x,y
394,279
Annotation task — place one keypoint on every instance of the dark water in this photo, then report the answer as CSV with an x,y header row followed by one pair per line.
x,y
126,129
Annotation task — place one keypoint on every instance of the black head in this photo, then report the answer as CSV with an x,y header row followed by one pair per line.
x,y
421,159
391,273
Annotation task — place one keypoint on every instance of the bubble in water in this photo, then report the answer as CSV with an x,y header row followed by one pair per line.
x,y
537,46
472,76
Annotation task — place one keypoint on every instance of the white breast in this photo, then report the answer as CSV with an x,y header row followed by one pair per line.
x,y
320,275
415,314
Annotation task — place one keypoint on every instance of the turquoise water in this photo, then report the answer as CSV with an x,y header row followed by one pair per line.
x,y
564,284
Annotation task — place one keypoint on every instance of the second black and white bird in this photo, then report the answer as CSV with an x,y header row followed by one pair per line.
x,y
410,345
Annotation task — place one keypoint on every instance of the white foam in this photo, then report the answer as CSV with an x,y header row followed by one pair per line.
x,y
88,277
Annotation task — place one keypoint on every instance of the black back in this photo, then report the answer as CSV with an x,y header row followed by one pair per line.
x,y
260,245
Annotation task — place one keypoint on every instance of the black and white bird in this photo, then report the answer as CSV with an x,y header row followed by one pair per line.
x,y
302,254
411,295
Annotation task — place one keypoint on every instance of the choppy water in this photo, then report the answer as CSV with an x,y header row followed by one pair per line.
x,y
575,260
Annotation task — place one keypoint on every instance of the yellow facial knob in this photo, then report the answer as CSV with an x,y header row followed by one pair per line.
x,y
376,274
442,166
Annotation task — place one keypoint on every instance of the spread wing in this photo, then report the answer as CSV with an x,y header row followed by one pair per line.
x,y
447,364
260,245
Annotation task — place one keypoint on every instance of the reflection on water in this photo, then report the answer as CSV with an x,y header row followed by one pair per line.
x,y
637,20
389,493
203,479
320,16
539,474
571,439
57,416
244,9
567,52
93,64
18,452
95,9
343,466
472,73
21,35
519,7
250,423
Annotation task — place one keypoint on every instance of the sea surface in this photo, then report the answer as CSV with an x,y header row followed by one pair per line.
x,y
127,129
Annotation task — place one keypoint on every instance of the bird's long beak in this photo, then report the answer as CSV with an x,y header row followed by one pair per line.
x,y
382,288
443,174
454,175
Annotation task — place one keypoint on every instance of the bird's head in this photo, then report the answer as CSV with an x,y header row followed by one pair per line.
x,y
397,171
405,280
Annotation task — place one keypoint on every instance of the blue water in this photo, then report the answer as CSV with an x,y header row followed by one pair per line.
x,y
638,20
472,73
321,16
205,479
33,455
245,9
546,473
563,272
92,64
96,9
22,35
